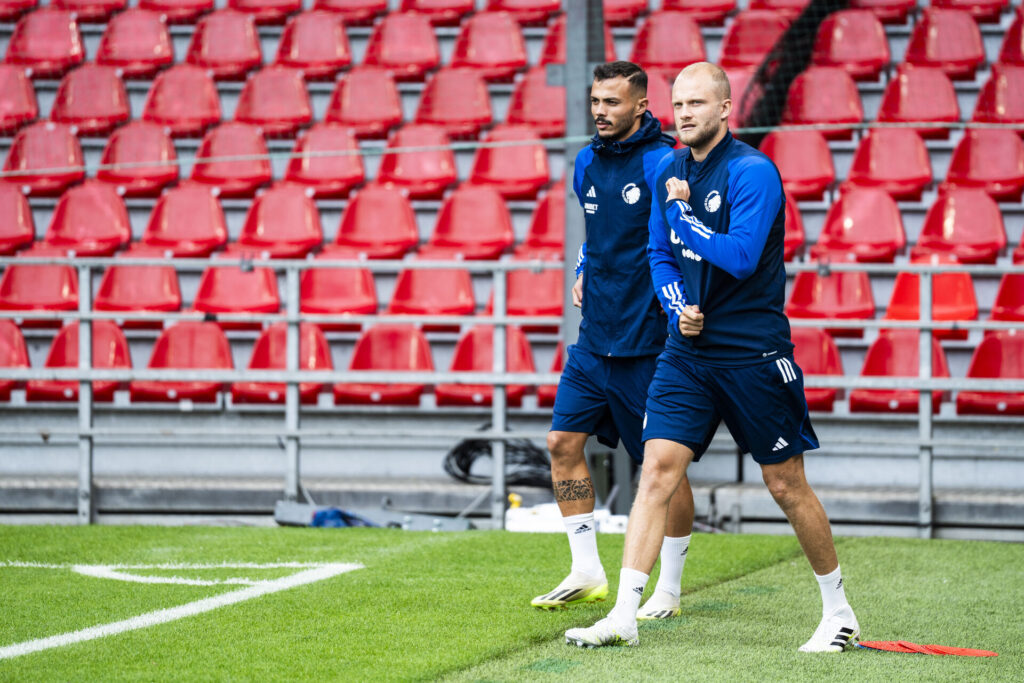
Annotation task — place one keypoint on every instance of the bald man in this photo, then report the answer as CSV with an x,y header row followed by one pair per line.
x,y
716,241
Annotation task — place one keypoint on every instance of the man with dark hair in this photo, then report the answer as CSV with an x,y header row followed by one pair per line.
x,y
604,383
716,240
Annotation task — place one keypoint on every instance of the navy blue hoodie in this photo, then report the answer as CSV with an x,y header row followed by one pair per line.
x,y
621,315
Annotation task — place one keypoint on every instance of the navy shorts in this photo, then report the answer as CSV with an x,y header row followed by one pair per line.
x,y
604,396
763,405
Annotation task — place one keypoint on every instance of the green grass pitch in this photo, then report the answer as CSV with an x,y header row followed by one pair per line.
x,y
455,606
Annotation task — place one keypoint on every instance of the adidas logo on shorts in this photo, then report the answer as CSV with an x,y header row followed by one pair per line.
x,y
780,444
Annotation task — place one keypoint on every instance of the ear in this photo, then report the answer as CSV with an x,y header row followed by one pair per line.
x,y
641,106
726,109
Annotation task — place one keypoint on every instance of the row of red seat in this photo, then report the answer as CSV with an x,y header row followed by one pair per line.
x,y
193,345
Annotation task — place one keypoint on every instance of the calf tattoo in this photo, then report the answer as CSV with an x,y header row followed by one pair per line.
x,y
573,489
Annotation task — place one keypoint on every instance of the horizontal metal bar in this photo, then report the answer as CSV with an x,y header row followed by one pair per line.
x,y
258,261
546,320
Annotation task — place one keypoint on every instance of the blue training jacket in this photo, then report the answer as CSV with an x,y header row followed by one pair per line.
x,y
621,316
723,252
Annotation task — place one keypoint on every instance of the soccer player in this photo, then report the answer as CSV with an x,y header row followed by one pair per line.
x,y
716,239
604,383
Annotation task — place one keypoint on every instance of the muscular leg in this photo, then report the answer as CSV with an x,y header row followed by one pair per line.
x,y
570,478
679,521
789,488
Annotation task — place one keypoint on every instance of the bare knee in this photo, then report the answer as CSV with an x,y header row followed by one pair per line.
x,y
566,448
662,473
786,482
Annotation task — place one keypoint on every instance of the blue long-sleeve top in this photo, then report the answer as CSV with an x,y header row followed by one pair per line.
x,y
723,251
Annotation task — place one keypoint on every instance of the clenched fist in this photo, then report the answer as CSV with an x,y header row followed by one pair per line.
x,y
691,322
677,189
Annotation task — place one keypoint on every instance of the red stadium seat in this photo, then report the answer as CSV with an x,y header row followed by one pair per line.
x,y
920,93
526,11
178,11
137,42
795,236
47,41
425,174
667,42
136,143
622,12
983,11
44,147
139,289
475,353
553,49
992,159
894,160
275,99
895,354
184,100
824,95
1001,100
387,347
316,43
750,37
13,354
853,40
230,289
1012,49
187,221
545,238
964,222
787,8
864,223
11,10
226,43
109,350
187,345
433,292
842,295
17,227
473,223
948,39
816,354
233,178
91,220
282,222
269,353
17,99
92,99
537,104
326,176
403,43
659,99
267,11
88,11
440,12
703,11
354,12
999,356
378,223
457,100
952,297
491,43
531,293
546,392
517,172
803,159
367,100
39,287
739,80
337,291
889,11
1009,301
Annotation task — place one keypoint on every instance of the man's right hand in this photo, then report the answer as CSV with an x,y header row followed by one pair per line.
x,y
691,322
577,292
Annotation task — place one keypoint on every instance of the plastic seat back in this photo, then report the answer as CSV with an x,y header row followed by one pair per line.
x,y
803,159
1009,301
17,227
187,221
546,392
889,11
457,100
11,10
750,37
267,11
92,99
316,43
1001,100
109,350
965,223
1012,49
842,295
270,353
226,43
473,223
816,354
795,236
517,172
530,293
91,220
13,354
186,345
47,41
865,224
18,103
920,93
491,43
999,356
137,42
440,12
387,347
703,11
948,39
366,99
433,292
184,100
44,147
787,8
178,11
139,289
378,223
894,160
553,49
133,144
326,176
953,297
354,12
275,99
824,95
537,104
230,289
403,43
526,11
233,178
475,353
282,222
992,159
424,174
853,40
895,354
667,42
90,10
337,291
39,287
545,236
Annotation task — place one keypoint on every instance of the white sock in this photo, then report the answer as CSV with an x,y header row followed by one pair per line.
x,y
673,557
832,594
582,534
627,602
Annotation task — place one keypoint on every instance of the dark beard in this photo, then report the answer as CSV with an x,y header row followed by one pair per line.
x,y
705,137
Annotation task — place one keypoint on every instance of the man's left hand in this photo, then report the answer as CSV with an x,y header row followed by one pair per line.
x,y
677,189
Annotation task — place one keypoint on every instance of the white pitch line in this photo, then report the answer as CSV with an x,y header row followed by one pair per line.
x,y
319,573
100,571
170,565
